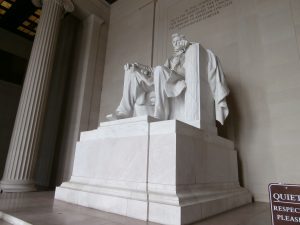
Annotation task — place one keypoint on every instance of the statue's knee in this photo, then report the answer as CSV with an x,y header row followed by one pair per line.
x,y
129,75
158,72
158,69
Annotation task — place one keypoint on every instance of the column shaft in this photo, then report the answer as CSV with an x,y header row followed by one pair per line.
x,y
21,159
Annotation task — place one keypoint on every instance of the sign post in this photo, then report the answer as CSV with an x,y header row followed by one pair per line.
x,y
285,204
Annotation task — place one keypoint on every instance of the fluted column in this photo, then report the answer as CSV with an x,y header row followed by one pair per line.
x,y
19,169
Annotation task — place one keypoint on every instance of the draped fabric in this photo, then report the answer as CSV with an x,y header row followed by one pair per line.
x,y
218,86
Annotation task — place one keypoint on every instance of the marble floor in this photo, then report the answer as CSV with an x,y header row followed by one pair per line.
x,y
39,208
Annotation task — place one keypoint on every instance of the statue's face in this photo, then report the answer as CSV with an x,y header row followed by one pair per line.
x,y
178,42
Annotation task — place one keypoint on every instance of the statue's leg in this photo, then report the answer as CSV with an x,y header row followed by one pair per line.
x,y
131,90
161,75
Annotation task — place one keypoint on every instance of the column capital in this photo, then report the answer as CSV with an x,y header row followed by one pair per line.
x,y
66,4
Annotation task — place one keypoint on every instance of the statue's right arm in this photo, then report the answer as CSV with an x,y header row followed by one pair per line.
x,y
167,63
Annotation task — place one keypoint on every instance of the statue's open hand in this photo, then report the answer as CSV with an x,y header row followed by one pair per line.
x,y
131,66
127,66
137,67
141,68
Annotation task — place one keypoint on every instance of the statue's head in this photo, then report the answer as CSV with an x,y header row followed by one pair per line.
x,y
179,41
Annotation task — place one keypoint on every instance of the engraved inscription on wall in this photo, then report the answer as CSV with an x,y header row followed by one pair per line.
x,y
198,12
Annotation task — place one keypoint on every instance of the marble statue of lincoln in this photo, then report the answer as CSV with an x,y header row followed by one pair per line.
x,y
154,86
166,81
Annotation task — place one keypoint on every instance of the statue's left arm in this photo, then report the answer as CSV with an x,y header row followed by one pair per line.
x,y
144,73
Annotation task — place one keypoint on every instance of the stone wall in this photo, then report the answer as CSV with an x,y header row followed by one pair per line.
x,y
80,97
9,101
15,44
19,49
258,43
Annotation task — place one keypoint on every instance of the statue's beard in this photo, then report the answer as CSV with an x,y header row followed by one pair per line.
x,y
181,47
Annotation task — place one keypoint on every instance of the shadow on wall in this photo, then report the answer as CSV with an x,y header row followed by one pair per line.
x,y
244,127
233,125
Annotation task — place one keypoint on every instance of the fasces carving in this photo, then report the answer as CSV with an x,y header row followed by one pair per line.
x,y
198,12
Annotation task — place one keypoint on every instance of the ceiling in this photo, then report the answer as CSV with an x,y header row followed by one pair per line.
x,y
21,17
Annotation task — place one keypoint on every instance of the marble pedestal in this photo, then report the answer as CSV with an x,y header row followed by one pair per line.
x,y
167,172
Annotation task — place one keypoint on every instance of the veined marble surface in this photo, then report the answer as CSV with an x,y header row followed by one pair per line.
x,y
167,172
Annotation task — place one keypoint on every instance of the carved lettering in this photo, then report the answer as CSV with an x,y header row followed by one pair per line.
x,y
198,12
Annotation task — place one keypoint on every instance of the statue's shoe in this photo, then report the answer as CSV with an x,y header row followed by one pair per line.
x,y
116,116
111,117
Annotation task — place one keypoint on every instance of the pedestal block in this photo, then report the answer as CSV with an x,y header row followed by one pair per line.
x,y
192,174
110,168
162,171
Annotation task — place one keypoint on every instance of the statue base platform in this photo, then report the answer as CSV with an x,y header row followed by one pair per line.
x,y
167,172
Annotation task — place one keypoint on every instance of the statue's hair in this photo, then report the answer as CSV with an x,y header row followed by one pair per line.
x,y
178,35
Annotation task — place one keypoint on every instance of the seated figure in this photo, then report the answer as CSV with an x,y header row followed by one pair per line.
x,y
156,89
